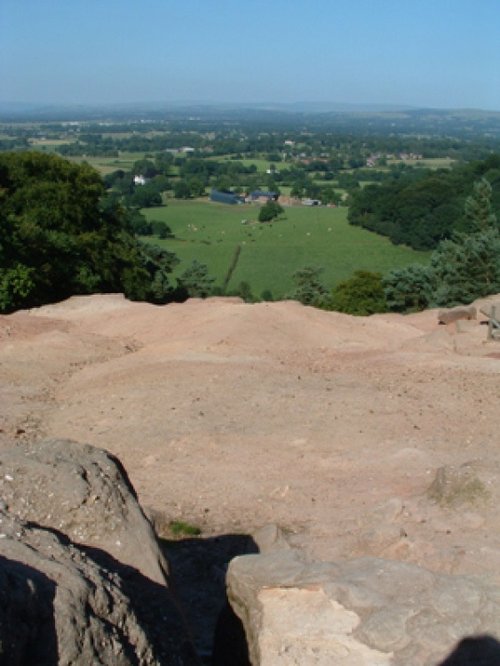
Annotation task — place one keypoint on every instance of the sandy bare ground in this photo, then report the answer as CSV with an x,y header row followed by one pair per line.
x,y
229,416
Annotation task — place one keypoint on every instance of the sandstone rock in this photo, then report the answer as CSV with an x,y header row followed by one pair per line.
x,y
83,578
454,486
487,308
454,314
363,612
85,493
270,538
58,605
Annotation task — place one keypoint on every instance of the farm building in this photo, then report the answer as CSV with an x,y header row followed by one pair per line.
x,y
221,196
262,195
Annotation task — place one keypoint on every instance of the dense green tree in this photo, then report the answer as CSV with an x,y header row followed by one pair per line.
x,y
409,289
59,236
461,269
478,210
163,163
297,190
138,223
272,186
159,263
269,211
245,292
144,196
182,189
145,167
466,268
161,183
362,294
421,208
267,295
309,289
196,281
196,186
161,229
312,190
120,181
16,284
330,196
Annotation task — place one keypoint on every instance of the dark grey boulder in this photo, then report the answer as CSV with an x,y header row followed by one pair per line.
x,y
81,574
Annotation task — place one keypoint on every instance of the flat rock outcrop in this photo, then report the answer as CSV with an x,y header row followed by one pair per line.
x,y
85,493
81,575
452,315
228,416
363,612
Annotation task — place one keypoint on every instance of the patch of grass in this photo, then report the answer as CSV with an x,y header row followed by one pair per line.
x,y
453,487
428,162
272,252
180,528
107,165
261,163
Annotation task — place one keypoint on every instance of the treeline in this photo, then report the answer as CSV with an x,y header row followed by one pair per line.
x,y
60,236
188,177
96,145
461,269
244,140
13,144
421,208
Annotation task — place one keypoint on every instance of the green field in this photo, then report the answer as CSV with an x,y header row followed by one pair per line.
x,y
107,165
103,165
270,253
428,162
260,163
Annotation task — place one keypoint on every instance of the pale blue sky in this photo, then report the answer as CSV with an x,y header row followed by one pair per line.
x,y
439,53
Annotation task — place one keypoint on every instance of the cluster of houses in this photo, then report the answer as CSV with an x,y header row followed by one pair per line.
x,y
183,150
257,196
373,159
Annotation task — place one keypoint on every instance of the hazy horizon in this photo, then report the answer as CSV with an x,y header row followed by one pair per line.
x,y
300,105
442,55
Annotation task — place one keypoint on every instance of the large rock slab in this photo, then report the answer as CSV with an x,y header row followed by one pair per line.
x,y
60,606
82,577
363,612
85,493
452,315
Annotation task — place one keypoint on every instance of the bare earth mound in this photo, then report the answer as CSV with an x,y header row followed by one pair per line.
x,y
231,416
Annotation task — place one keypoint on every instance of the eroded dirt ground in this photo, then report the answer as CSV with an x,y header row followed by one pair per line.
x,y
230,416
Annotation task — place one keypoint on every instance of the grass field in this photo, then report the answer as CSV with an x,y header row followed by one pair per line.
x,y
107,165
270,253
103,165
49,142
429,163
261,163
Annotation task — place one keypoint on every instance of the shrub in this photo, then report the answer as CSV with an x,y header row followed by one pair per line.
x,y
362,294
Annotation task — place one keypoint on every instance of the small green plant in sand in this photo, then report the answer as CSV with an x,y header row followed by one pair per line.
x,y
181,528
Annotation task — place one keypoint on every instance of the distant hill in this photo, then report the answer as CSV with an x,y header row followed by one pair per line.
x,y
369,118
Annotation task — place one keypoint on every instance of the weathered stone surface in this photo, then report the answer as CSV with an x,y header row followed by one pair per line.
x,y
85,493
454,314
361,612
59,605
81,574
487,308
457,485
